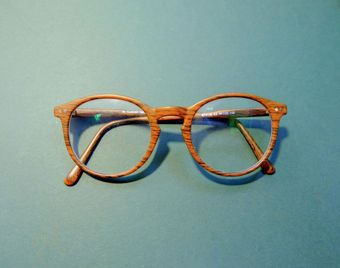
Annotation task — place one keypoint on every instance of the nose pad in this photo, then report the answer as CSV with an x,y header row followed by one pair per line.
x,y
174,115
171,115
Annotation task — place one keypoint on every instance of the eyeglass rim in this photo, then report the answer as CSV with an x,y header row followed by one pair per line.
x,y
274,117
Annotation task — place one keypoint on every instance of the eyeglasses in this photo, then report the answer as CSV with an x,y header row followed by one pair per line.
x,y
110,136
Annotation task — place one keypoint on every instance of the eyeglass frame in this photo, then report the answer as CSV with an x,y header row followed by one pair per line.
x,y
155,116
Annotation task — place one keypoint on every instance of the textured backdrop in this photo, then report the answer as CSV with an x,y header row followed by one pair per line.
x,y
169,53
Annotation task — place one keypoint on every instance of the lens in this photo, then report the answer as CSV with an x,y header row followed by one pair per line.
x,y
109,135
219,133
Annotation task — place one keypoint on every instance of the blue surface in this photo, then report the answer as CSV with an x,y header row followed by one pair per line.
x,y
169,53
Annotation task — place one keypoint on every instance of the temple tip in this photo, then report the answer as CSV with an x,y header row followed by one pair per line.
x,y
73,176
69,182
268,167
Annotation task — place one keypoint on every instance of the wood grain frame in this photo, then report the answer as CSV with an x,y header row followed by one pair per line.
x,y
162,114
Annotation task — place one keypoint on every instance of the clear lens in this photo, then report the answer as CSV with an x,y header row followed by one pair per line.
x,y
116,132
217,137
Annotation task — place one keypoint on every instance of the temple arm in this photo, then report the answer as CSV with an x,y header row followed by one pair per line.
x,y
267,166
139,117
76,172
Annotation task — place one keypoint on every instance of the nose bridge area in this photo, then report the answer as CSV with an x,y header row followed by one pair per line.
x,y
171,111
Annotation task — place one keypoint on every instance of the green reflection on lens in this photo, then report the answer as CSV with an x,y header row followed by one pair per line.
x,y
97,117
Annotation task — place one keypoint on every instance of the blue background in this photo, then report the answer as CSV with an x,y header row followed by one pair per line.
x,y
169,53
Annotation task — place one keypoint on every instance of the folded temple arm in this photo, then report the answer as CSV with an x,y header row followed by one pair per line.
x,y
132,117
76,172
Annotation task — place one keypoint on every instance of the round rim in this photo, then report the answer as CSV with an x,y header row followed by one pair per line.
x,y
202,163
154,133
